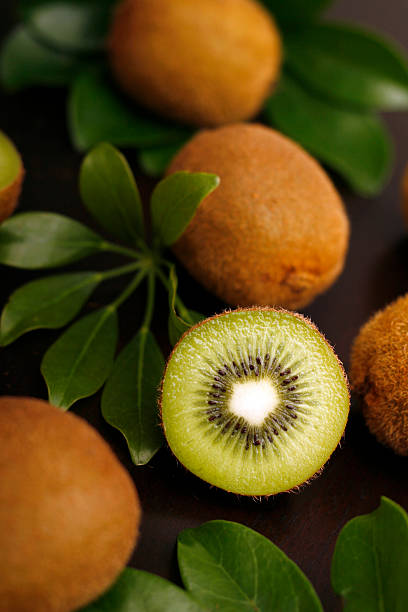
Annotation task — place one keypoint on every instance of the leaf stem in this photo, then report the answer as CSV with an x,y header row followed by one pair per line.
x,y
140,242
121,270
121,250
151,286
178,302
127,292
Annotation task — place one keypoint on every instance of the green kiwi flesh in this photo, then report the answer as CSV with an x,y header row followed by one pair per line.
x,y
11,177
254,401
10,162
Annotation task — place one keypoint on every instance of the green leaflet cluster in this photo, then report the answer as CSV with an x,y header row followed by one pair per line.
x,y
335,79
82,359
226,567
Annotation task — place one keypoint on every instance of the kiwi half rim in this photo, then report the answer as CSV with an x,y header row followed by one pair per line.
x,y
10,162
11,176
261,415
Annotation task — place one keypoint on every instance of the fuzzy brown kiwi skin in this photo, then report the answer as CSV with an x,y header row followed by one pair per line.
x,y
379,374
299,316
9,196
275,232
232,63
69,511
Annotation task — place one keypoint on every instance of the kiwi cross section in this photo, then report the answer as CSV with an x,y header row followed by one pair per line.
x,y
254,401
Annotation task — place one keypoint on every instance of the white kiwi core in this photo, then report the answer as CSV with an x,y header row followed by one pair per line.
x,y
254,401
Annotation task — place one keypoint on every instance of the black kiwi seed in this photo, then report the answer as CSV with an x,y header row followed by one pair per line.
x,y
223,376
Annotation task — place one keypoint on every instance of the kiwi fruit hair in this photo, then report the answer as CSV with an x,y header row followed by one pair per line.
x,y
11,177
201,62
254,401
275,232
379,373
69,513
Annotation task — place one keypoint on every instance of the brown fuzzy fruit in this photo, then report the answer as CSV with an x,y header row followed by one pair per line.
x,y
69,513
379,372
405,195
274,232
11,177
204,62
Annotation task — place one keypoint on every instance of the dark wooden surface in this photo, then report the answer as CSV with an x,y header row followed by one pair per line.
x,y
304,525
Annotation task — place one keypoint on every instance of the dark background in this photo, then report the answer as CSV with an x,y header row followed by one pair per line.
x,y
305,525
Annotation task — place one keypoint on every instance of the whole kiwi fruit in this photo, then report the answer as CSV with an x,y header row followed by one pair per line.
x,y
69,513
202,62
11,176
379,373
254,401
275,232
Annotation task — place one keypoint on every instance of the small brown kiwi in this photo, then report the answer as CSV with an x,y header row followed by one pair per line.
x,y
379,372
11,176
203,62
69,513
405,195
275,232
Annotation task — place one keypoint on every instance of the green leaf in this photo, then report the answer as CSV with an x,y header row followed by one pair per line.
x,y
349,66
296,11
138,591
175,201
154,162
109,191
97,113
80,361
179,324
24,62
35,240
232,568
129,400
69,25
370,562
46,303
354,144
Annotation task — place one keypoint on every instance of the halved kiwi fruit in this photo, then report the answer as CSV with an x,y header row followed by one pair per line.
x,y
11,176
254,401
